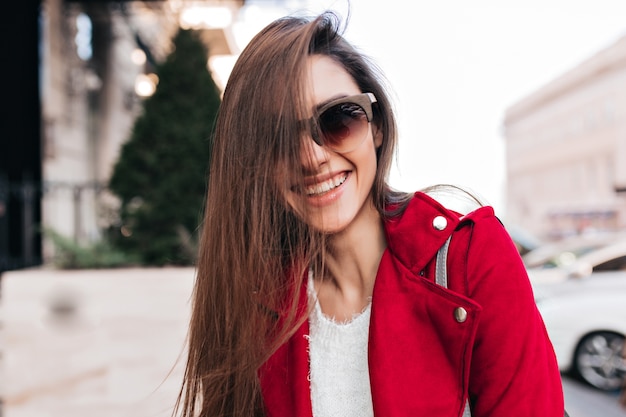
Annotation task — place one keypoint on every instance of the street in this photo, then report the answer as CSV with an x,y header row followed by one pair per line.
x,y
108,343
584,401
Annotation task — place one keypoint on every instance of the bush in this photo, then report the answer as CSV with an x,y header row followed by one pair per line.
x,y
71,255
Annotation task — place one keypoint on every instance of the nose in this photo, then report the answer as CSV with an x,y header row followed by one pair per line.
x,y
312,154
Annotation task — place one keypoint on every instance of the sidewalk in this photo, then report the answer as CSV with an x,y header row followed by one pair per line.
x,y
98,343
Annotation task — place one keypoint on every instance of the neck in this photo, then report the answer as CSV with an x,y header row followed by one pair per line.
x,y
352,263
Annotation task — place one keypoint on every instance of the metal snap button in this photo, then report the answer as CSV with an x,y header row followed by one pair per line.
x,y
460,314
440,223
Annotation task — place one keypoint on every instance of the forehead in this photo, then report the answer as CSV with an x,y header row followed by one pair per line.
x,y
329,80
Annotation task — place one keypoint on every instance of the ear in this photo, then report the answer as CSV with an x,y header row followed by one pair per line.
x,y
378,136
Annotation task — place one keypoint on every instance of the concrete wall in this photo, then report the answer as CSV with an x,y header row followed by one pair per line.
x,y
96,343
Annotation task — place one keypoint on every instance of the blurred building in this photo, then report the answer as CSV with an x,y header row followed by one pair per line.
x,y
96,66
566,150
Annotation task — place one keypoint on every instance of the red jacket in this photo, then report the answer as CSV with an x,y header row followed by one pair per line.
x,y
422,360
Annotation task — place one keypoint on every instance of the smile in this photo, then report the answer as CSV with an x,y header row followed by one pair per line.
x,y
326,186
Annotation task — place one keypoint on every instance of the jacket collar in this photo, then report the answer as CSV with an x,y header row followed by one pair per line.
x,y
415,236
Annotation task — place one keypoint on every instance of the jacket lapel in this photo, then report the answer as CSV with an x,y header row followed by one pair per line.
x,y
419,353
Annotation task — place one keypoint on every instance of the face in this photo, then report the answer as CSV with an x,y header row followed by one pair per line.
x,y
337,186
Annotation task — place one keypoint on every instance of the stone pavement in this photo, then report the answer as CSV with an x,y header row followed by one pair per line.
x,y
97,343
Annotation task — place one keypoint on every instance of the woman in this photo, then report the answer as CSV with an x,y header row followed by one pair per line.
x,y
315,292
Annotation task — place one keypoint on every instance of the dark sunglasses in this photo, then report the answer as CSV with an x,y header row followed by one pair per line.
x,y
342,124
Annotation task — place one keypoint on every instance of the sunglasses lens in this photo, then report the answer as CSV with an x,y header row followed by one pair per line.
x,y
344,126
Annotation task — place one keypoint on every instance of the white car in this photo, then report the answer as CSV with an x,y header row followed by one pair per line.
x,y
562,252
586,320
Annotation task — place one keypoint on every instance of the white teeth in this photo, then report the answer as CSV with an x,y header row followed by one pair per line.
x,y
326,186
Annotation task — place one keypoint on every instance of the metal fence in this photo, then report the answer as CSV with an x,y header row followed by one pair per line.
x,y
22,205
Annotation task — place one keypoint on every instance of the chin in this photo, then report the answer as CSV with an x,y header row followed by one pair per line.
x,y
332,227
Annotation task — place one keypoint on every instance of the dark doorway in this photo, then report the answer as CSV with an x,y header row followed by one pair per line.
x,y
20,143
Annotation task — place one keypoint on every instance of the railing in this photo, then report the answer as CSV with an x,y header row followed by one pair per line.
x,y
21,208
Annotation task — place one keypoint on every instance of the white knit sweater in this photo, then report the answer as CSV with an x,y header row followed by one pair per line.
x,y
340,384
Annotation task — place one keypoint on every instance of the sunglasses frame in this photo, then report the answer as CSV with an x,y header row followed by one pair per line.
x,y
363,100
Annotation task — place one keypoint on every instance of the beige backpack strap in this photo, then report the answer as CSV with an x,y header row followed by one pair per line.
x,y
441,278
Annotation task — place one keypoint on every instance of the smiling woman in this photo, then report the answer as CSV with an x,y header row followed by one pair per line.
x,y
316,280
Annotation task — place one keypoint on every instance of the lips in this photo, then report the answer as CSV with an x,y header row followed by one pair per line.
x,y
323,187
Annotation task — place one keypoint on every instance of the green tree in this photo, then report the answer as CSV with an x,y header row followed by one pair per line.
x,y
160,176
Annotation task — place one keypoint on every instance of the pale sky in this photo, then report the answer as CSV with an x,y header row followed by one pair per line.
x,y
455,66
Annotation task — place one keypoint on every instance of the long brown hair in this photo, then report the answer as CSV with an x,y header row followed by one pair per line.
x,y
254,251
